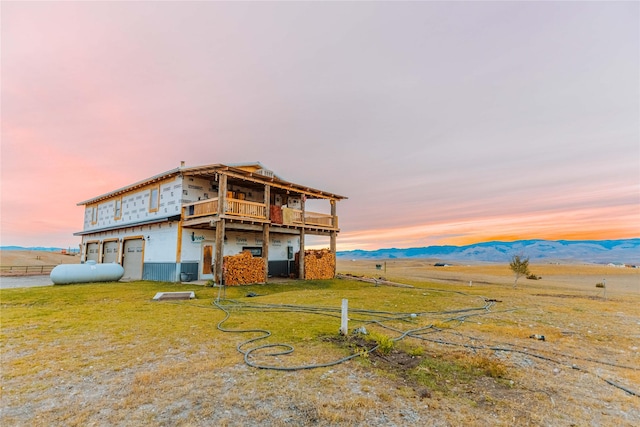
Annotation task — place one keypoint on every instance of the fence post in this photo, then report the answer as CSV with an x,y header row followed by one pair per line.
x,y
344,326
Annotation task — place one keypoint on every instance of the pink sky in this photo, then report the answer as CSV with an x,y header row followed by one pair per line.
x,y
444,123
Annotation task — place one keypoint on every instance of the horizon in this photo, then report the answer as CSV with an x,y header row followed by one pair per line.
x,y
40,247
444,123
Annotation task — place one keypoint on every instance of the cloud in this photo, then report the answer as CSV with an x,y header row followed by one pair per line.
x,y
441,122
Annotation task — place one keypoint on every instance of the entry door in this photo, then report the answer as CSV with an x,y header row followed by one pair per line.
x,y
93,252
207,261
110,251
132,256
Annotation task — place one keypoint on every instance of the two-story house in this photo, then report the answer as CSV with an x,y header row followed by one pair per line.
x,y
184,221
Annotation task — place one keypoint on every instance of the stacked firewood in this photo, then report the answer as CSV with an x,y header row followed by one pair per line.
x,y
243,269
319,264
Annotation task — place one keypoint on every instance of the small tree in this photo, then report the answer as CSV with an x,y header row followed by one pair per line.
x,y
520,266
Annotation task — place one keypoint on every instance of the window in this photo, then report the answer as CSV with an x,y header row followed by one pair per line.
x,y
94,214
154,200
117,209
256,251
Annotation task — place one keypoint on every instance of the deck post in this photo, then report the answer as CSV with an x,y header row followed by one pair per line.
x,y
265,250
333,236
301,256
265,231
219,251
222,199
179,248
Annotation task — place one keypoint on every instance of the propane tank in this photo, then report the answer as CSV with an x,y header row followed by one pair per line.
x,y
88,272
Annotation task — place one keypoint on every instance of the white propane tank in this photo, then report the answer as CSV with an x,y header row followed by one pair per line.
x,y
88,272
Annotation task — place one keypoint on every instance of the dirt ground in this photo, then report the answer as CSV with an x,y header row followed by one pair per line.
x,y
585,373
33,259
567,276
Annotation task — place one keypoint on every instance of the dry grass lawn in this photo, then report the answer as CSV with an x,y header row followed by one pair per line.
x,y
106,354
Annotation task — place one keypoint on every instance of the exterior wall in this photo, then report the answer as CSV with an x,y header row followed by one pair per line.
x,y
194,189
135,206
278,243
160,245
159,240
194,239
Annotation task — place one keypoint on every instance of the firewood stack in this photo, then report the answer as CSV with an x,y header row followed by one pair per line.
x,y
243,269
319,264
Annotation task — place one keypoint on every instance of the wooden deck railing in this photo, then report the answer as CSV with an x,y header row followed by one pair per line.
x,y
311,218
233,207
246,209
201,208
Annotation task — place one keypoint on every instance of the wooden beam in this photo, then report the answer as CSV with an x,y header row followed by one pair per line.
x,y
265,250
333,236
179,243
222,197
291,186
222,194
218,277
301,256
265,232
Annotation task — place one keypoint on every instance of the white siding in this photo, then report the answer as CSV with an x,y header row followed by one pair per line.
x,y
135,206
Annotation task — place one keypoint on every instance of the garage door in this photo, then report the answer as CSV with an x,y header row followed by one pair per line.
x,y
93,252
110,251
132,256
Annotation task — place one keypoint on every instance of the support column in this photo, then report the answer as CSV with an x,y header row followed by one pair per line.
x,y
265,231
301,263
220,231
333,236
219,251
301,256
265,250
179,248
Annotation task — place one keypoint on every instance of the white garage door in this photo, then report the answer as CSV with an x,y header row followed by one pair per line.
x,y
132,256
110,251
93,252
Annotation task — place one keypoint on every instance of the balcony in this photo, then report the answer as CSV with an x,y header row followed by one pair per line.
x,y
233,207
253,211
294,217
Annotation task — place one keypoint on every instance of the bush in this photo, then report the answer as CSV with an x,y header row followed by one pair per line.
x,y
385,344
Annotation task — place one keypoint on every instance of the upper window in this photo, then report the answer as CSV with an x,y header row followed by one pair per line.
x,y
117,209
94,214
154,199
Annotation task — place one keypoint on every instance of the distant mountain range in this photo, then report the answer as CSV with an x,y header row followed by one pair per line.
x,y
626,251
35,248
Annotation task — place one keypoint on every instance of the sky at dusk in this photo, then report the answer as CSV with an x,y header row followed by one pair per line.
x,y
442,122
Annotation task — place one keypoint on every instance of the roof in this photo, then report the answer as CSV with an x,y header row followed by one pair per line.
x,y
254,172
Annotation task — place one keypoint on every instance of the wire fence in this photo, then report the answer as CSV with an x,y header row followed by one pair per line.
x,y
16,270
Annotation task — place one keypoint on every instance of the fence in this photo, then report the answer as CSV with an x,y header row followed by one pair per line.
x,y
25,269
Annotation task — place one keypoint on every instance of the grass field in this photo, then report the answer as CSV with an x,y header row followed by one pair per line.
x,y
446,352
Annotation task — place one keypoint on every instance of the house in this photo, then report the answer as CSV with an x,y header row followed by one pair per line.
x,y
183,222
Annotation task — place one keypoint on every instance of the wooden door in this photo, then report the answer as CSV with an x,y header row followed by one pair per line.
x,y
207,259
